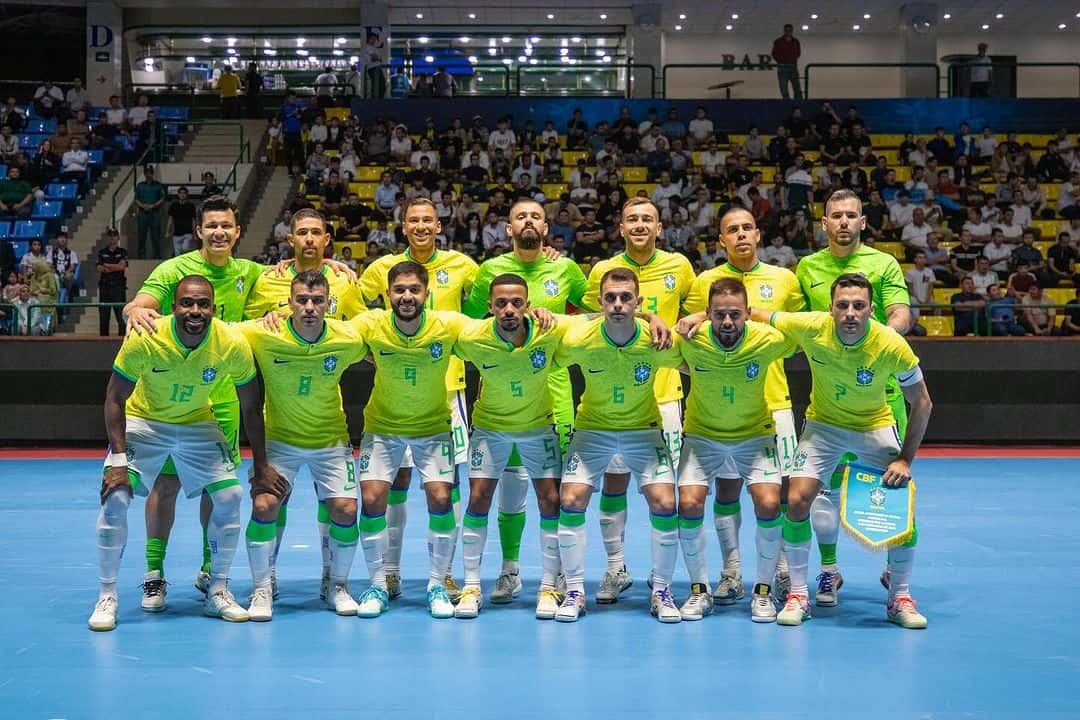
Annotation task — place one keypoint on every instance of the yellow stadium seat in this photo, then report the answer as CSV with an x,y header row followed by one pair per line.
x,y
937,325
341,114
768,172
1047,228
943,295
358,247
1051,190
552,191
1037,140
568,170
818,209
634,174
892,157
366,190
1044,245
886,140
570,157
632,188
903,173
1060,296
893,248
369,173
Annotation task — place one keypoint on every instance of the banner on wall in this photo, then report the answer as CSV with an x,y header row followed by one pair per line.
x,y
104,50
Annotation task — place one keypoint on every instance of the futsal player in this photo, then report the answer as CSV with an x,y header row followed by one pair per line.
x,y
158,406
617,419
554,283
452,275
301,363
513,415
852,358
730,436
665,280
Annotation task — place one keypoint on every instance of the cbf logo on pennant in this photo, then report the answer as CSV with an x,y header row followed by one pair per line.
x,y
877,515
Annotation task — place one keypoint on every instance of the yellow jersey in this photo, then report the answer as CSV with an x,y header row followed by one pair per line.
x,y
619,379
272,292
173,384
727,390
514,394
409,397
302,379
665,282
450,278
848,380
769,288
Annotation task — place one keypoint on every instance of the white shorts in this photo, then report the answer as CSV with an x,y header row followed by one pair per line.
x,y
786,439
822,446
752,460
382,455
331,468
642,452
671,419
459,429
490,452
199,451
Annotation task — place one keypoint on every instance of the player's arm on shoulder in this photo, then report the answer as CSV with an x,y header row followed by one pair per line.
x,y
898,317
658,330
116,394
141,313
475,304
545,319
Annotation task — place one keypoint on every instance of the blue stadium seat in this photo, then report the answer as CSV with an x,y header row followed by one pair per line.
x,y
29,229
21,247
97,157
68,192
47,210
28,142
172,113
47,127
3,170
5,229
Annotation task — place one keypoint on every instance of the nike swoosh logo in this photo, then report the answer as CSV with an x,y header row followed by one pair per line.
x,y
159,370
279,362
283,304
767,473
488,367
385,352
700,369
593,372
814,285
819,362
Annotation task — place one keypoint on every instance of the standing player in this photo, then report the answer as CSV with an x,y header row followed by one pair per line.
x,y
730,436
768,288
301,363
158,407
843,222
852,359
452,277
617,419
553,284
666,279
271,294
512,415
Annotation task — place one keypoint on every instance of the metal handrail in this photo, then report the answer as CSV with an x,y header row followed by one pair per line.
x,y
983,319
628,66
928,65
45,307
133,174
245,151
959,63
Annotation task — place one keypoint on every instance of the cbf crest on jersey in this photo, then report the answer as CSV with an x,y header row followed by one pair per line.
x,y
330,364
766,291
551,287
642,372
332,307
864,376
669,281
538,358
436,350
442,277
208,375
240,285
752,370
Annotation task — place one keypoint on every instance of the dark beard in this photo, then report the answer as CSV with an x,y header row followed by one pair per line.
x,y
528,241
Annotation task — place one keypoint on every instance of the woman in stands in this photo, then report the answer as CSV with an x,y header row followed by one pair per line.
x,y
46,289
45,167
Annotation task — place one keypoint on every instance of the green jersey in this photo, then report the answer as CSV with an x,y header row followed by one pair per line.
x,y
232,283
817,272
552,283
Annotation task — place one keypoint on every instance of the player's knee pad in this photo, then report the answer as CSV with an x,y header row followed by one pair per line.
x,y
227,502
112,521
513,490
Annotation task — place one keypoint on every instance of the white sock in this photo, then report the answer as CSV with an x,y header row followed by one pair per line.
x,y
692,538
613,529
441,531
396,516
901,564
323,518
473,538
665,549
260,551
572,537
549,551
825,519
727,517
112,531
343,540
767,543
373,535
223,533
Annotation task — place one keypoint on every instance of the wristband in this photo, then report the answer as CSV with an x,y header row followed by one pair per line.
x,y
117,460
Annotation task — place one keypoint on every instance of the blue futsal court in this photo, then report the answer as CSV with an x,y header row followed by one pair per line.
x,y
995,575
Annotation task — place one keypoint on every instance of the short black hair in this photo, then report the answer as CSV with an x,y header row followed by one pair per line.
x,y
509,279
311,279
728,286
216,203
193,280
407,267
620,275
848,280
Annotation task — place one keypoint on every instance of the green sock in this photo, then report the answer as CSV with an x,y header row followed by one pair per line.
x,y
283,515
511,528
828,553
155,554
205,552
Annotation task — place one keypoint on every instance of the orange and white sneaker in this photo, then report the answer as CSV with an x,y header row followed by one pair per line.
x,y
901,610
796,610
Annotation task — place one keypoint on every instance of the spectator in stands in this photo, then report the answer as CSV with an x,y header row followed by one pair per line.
x,y
977,228
1052,166
1021,281
676,234
701,211
49,101
968,308
584,196
494,235
588,239
998,253
180,225
913,235
35,253
355,216
380,237
786,51
920,281
983,277
964,142
577,131
9,144
150,195
253,87
317,163
1061,263
989,212
700,130
595,141
112,262
77,127
1031,256
712,255
137,115
937,258
901,212
939,147
1001,310
963,256
27,320
777,253
1071,324
46,165
854,178
16,194
45,289
290,113
1034,196
799,186
65,264
1039,314
979,73
673,128
1068,194
12,116
228,90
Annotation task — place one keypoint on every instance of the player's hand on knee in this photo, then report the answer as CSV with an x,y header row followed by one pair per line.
x,y
116,479
268,480
688,326
898,474
140,319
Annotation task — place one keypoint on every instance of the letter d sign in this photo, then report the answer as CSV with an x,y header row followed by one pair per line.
x,y
100,36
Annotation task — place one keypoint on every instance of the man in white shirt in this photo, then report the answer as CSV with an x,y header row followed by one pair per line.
x,y
702,212
713,255
712,160
9,145
677,234
48,99
985,145
779,254
998,253
753,147
282,229
980,229
645,127
744,191
917,181
983,277
77,98
137,115
1021,213
902,211
527,167
1008,226
325,83
920,281
664,190
1034,195
648,142
115,114
913,236
503,138
700,129
424,151
1067,194
584,196
980,72
494,233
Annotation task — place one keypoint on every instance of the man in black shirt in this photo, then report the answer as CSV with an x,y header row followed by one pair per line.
x,y
588,238
1052,167
1071,325
875,213
797,125
576,131
825,117
112,261
964,255
355,217
1061,262
181,223
1027,254
967,309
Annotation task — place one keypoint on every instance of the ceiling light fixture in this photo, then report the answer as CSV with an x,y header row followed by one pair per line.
x,y
575,39
729,27
472,16
505,39
300,42
564,51
522,58
805,27
231,41
985,27
429,58
354,58
189,59
856,27
272,51
606,58
534,39
734,16
678,27
419,16
533,61
682,16
340,41
551,16
464,39
1062,26
207,39
473,59
423,39
947,16
1000,16
492,51
866,16
301,52
603,16
507,61
338,52
813,16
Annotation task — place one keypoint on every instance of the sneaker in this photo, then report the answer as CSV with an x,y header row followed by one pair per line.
x,y
547,604
614,584
223,605
730,588
506,589
154,589
762,609
393,584
886,578
453,590
439,604
341,601
902,611
781,588
202,582
273,583
699,604
663,607
572,607
261,605
373,603
828,588
103,618
469,603
796,611
324,584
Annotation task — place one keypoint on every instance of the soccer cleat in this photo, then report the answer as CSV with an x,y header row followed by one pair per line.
x,y
796,611
439,604
202,582
699,604
781,588
223,605
663,607
730,588
469,603
506,589
154,589
373,603
324,584
572,607
762,609
547,604
103,618
261,605
886,578
453,590
614,584
341,601
393,585
273,583
902,611
828,588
